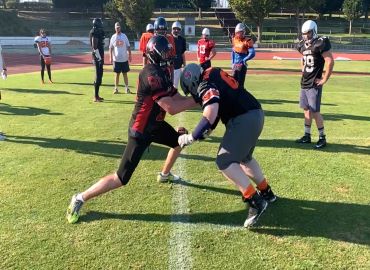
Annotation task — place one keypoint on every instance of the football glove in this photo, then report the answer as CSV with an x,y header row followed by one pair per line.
x,y
97,55
185,139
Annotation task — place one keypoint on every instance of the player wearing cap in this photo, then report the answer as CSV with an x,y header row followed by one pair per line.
x,y
206,49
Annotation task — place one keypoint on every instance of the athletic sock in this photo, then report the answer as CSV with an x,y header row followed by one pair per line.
x,y
307,129
321,131
79,197
249,192
165,174
263,185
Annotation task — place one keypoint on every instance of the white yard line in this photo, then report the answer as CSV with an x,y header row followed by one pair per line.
x,y
180,238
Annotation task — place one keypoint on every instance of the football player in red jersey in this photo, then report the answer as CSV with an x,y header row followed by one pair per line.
x,y
206,49
316,54
155,96
242,52
145,37
222,98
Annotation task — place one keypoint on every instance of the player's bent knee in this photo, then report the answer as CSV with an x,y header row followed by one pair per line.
x,y
223,161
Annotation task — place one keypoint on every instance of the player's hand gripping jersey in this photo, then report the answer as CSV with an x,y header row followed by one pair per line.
x,y
313,62
205,47
219,87
153,84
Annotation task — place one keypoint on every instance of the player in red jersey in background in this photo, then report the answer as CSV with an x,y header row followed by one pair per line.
x,y
206,49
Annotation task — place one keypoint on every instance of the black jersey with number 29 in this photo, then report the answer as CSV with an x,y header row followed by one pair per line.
x,y
313,61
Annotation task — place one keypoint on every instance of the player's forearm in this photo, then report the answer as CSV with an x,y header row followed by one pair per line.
x,y
329,65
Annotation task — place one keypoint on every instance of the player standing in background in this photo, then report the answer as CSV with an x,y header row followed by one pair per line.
x,y
120,56
206,49
316,54
180,46
44,47
145,37
4,74
96,38
155,96
221,98
242,52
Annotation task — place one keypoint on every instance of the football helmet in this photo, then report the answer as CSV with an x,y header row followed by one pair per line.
x,y
206,32
309,26
240,27
160,26
149,27
190,79
158,50
97,23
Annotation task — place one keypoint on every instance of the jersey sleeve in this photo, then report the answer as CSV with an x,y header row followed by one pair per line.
x,y
111,42
208,94
37,39
249,43
157,86
211,44
323,44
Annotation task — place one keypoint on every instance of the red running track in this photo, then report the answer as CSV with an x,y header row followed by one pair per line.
x,y
23,63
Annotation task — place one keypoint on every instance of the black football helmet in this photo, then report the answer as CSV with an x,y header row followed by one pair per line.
x,y
97,23
158,50
160,26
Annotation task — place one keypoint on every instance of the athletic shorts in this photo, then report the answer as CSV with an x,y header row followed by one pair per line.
x,y
163,133
310,99
240,139
119,67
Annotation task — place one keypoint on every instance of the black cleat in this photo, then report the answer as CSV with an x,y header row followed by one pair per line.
x,y
305,139
321,143
257,205
268,195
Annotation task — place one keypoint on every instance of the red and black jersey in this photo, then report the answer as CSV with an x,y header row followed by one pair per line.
x,y
153,84
313,62
219,87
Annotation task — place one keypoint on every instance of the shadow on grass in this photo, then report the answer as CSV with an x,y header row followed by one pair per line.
x,y
7,109
327,116
286,217
284,101
330,148
105,148
41,91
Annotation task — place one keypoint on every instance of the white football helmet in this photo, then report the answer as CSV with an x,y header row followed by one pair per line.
x,y
149,27
206,32
240,27
310,26
176,24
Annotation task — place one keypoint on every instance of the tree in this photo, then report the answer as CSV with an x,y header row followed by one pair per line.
x,y
365,5
328,7
352,9
111,10
136,12
255,10
301,7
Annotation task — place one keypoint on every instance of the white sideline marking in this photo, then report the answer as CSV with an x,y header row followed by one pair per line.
x,y
180,238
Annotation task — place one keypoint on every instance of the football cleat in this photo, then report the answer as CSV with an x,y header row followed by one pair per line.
x,y
128,90
321,143
73,211
115,91
305,139
268,195
257,205
170,177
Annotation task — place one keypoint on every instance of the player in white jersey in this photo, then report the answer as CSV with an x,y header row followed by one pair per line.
x,y
44,48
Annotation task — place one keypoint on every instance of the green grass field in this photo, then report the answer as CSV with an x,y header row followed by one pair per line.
x,y
59,142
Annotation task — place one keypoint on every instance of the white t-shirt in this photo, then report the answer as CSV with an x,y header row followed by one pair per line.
x,y
43,43
119,43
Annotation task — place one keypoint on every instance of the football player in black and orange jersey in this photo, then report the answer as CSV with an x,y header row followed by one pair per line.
x,y
316,54
221,98
155,96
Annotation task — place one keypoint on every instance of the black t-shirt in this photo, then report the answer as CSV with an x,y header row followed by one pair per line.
x,y
219,87
312,60
99,34
153,84
180,45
